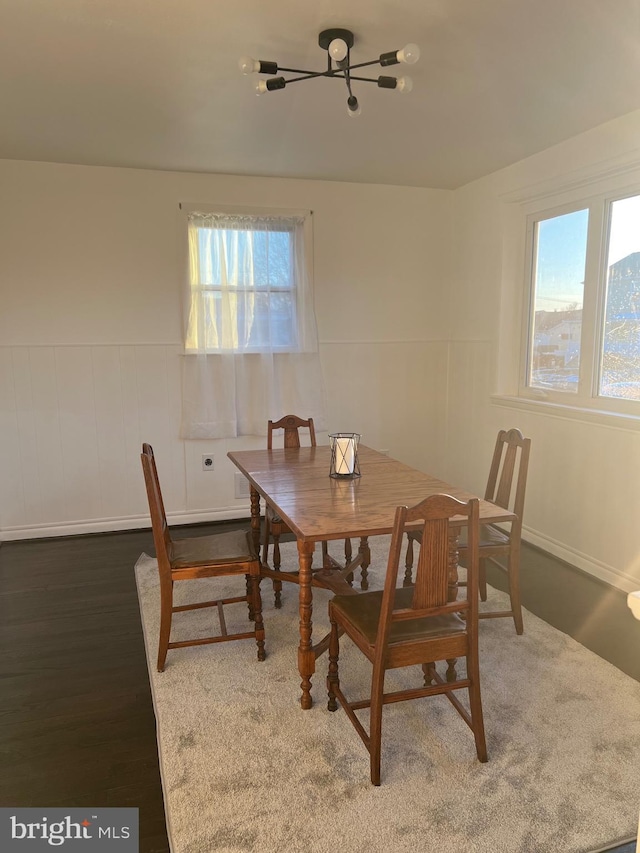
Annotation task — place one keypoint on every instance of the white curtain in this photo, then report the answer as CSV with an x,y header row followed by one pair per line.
x,y
251,347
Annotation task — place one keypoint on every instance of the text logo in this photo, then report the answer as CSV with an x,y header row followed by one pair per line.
x,y
80,830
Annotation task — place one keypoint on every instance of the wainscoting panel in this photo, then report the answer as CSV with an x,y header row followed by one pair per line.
x,y
582,492
73,419
81,485
393,393
116,425
470,436
12,493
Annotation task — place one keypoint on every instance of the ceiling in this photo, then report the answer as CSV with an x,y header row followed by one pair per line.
x,y
155,84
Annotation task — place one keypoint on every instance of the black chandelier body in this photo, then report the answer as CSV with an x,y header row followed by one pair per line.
x,y
338,43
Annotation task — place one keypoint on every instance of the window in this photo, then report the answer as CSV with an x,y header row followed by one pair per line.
x,y
583,314
246,274
251,343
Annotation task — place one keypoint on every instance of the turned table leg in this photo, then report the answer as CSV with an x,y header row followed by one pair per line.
x,y
306,654
255,518
365,553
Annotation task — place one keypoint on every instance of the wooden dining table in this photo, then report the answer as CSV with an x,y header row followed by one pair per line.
x,y
319,508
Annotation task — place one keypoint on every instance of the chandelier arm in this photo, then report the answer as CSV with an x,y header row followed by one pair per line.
x,y
363,79
363,64
301,71
309,76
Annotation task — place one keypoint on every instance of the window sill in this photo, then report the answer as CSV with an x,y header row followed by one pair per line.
x,y
616,420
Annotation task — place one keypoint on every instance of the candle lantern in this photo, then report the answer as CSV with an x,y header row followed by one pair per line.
x,y
344,454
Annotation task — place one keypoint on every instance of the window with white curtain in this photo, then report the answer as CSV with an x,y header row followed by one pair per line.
x,y
245,272
583,311
251,349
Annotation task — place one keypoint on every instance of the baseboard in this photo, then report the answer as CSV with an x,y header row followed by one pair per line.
x,y
108,525
602,571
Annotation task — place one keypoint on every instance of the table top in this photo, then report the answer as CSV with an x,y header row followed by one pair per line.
x,y
315,506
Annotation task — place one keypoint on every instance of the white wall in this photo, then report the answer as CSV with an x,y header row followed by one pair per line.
x,y
430,286
583,500
90,335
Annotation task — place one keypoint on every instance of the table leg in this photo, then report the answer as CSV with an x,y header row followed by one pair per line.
x,y
365,552
306,654
255,518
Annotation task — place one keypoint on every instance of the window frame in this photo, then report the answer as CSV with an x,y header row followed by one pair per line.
x,y
599,207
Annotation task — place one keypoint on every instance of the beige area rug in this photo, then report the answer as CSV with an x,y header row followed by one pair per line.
x,y
244,769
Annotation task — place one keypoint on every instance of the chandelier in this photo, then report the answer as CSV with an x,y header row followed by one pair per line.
x,y
338,44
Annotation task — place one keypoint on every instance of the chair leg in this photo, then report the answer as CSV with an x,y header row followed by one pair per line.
x,y
475,704
252,611
408,563
451,674
166,605
513,575
482,579
333,679
375,723
257,611
428,670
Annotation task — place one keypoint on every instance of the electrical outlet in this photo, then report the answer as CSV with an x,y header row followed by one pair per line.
x,y
386,451
207,462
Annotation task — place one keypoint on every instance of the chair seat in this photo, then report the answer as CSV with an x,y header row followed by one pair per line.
x,y
235,545
363,611
490,536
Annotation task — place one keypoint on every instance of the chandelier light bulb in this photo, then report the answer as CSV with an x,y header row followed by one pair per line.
x,y
248,65
409,54
404,84
338,50
261,87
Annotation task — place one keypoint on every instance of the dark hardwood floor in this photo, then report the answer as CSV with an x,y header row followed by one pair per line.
x,y
76,718
580,605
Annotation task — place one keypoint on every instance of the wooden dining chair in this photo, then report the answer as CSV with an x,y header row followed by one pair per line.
x,y
218,555
510,460
274,526
414,625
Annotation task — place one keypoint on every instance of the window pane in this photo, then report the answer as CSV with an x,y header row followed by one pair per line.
x,y
257,321
560,253
244,289
620,368
245,258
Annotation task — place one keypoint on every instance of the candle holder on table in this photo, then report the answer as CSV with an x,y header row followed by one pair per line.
x,y
344,455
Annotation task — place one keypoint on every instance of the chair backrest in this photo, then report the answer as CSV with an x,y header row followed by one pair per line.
x,y
511,455
161,536
291,424
430,593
